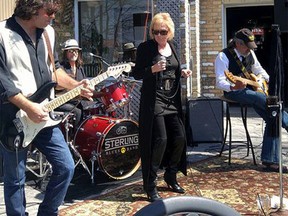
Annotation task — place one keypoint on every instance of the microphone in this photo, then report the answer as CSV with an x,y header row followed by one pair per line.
x,y
96,56
162,58
99,57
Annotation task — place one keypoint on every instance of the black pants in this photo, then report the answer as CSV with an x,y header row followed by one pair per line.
x,y
167,133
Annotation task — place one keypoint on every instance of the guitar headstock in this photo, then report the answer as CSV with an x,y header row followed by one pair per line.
x,y
230,76
116,70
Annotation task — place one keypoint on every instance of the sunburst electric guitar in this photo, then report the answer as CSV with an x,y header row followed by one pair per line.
x,y
19,132
257,82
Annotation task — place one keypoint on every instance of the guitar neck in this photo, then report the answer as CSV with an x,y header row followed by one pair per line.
x,y
53,104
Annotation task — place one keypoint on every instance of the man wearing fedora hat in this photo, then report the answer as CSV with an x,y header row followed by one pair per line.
x,y
239,58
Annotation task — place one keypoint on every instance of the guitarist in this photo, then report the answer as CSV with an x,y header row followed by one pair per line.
x,y
240,59
24,68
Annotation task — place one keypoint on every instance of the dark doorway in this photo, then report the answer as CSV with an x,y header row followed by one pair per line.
x,y
259,19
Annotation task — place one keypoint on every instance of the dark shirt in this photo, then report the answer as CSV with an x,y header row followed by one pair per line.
x,y
37,57
166,88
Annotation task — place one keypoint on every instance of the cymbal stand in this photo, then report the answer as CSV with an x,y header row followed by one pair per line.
x,y
130,83
69,143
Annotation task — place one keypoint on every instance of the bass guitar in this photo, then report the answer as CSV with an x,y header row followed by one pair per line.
x,y
19,132
257,82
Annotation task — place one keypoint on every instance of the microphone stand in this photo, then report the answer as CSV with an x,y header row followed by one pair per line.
x,y
274,101
101,59
274,105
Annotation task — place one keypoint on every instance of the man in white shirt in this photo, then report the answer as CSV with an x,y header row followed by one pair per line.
x,y
239,60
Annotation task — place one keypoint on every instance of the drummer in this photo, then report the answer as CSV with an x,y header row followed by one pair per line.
x,y
72,63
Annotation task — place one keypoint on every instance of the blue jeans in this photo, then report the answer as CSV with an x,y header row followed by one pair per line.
x,y
270,147
51,143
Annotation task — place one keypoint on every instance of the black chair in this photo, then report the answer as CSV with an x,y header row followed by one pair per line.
x,y
248,141
187,204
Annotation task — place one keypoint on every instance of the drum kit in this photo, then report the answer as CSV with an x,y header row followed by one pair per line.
x,y
104,140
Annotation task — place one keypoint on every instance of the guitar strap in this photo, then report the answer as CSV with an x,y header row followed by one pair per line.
x,y
50,54
240,64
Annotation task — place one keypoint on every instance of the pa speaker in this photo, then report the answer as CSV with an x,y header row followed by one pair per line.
x,y
281,14
141,19
205,121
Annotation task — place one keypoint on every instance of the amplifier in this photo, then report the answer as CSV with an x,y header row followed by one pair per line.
x,y
204,121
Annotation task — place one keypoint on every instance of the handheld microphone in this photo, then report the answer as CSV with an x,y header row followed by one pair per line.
x,y
162,58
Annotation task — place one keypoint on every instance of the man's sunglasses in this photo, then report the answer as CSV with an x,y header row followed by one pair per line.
x,y
51,9
162,32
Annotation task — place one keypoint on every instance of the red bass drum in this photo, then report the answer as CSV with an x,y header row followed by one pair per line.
x,y
112,142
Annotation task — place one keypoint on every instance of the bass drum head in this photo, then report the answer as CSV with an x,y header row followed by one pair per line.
x,y
119,151
113,142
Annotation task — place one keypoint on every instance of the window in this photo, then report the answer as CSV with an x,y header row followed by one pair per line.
x,y
105,25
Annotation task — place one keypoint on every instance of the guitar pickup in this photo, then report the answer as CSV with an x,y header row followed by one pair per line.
x,y
18,125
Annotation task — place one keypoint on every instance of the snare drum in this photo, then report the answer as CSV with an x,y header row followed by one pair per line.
x,y
113,142
115,96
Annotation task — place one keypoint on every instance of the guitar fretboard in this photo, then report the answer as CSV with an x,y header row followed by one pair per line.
x,y
111,71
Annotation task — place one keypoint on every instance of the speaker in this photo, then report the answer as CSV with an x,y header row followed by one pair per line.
x,y
141,19
140,26
281,14
205,121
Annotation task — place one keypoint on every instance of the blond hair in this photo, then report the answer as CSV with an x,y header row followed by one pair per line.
x,y
163,18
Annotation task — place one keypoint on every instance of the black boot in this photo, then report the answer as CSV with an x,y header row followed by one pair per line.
x,y
153,195
170,179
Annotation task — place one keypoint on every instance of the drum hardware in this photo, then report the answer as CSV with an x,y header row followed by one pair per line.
x,y
80,159
93,159
67,126
38,166
115,96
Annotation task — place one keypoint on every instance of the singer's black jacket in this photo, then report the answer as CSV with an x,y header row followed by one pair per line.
x,y
146,54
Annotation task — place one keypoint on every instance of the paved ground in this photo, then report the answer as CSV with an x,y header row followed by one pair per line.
x,y
82,187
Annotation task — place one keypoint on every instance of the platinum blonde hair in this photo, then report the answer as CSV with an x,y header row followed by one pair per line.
x,y
163,18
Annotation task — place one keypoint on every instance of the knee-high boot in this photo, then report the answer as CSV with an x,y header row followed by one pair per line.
x,y
172,169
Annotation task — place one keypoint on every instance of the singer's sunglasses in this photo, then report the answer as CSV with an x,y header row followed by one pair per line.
x,y
161,32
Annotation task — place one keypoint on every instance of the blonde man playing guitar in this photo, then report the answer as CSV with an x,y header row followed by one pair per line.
x,y
242,78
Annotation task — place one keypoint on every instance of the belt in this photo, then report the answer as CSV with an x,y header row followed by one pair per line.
x,y
165,84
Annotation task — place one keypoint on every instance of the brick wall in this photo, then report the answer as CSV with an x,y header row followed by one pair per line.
x,y
210,28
